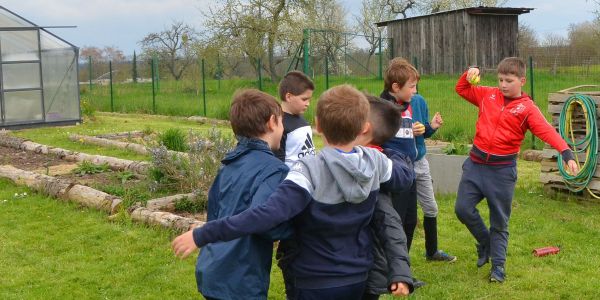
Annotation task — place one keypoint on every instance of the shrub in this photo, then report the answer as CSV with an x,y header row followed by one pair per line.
x,y
87,109
87,167
195,204
174,139
456,149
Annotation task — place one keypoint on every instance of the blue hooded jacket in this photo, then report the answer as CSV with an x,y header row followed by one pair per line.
x,y
240,268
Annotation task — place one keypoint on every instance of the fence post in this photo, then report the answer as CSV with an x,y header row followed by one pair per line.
x,y
203,87
380,60
259,76
90,71
326,72
531,94
112,107
153,86
306,51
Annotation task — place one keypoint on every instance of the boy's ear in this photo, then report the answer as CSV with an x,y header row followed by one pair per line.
x,y
287,97
523,80
272,123
317,125
395,87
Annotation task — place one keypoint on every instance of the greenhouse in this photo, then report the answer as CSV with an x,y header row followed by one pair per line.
x,y
38,75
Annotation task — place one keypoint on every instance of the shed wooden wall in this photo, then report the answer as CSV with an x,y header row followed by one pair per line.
x,y
449,42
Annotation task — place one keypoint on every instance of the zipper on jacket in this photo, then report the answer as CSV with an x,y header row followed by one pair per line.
x,y
494,133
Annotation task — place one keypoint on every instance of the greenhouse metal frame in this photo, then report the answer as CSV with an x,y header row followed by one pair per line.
x,y
38,75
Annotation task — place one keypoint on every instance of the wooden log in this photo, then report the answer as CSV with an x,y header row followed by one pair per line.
x,y
109,143
204,120
62,189
46,184
165,219
556,178
118,135
167,203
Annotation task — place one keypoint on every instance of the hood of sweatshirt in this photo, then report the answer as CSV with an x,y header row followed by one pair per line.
x,y
338,177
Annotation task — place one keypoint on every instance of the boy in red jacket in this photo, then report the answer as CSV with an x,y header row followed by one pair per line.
x,y
505,114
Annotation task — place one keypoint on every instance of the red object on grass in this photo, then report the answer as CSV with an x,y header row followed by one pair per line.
x,y
546,251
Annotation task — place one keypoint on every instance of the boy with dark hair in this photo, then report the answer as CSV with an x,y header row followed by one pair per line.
x,y
505,115
295,92
240,268
390,256
400,83
330,198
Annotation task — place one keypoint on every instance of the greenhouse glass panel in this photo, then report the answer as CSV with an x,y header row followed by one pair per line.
x,y
8,19
59,73
23,106
19,45
21,76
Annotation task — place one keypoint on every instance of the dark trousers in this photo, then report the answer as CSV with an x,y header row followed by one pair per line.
x,y
405,204
348,292
495,183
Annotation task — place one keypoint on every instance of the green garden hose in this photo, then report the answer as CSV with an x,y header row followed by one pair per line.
x,y
589,144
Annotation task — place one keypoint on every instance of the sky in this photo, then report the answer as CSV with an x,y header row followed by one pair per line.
x,y
123,23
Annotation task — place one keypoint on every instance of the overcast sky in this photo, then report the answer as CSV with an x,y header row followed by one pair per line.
x,y
123,23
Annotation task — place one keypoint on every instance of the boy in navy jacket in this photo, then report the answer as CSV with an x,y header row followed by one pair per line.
x,y
240,268
330,199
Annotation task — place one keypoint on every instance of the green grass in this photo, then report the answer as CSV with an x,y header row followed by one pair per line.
x,y
52,249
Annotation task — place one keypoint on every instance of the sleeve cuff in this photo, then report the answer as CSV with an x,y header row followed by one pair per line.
x,y
567,155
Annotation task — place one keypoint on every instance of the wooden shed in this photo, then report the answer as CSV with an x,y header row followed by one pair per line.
x,y
449,41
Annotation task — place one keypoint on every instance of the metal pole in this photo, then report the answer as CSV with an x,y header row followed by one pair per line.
x,y
203,87
306,49
380,60
90,71
112,107
326,72
259,75
153,87
531,94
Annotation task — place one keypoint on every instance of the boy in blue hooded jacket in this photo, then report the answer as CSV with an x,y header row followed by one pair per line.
x,y
240,268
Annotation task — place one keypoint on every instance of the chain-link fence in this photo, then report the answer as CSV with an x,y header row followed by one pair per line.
x,y
205,86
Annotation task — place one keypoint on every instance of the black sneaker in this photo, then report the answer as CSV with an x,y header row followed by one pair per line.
x,y
483,255
497,274
440,255
418,283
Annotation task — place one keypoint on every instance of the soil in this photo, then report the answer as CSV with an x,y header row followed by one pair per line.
x,y
26,160
50,164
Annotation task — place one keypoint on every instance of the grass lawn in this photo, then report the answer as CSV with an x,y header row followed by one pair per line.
x,y
54,250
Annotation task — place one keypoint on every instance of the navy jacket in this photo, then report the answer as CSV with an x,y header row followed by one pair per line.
x,y
240,268
331,198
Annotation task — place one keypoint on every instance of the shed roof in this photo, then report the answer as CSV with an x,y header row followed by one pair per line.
x,y
481,10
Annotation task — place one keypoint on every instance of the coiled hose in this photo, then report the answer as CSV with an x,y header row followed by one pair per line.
x,y
589,144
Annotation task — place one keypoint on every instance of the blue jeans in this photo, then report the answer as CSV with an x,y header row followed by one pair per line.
x,y
495,183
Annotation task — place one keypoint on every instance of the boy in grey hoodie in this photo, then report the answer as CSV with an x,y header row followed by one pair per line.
x,y
330,199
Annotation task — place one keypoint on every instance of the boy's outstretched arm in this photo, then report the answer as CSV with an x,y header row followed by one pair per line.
x,y
287,201
387,225
540,127
403,173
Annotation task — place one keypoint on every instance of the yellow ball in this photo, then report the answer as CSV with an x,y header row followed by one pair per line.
x,y
475,80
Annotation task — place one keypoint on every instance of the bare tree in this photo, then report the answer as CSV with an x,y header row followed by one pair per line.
x,y
173,46
371,12
527,40
255,27
400,6
554,45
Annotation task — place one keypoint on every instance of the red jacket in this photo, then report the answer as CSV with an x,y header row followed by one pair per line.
x,y
501,127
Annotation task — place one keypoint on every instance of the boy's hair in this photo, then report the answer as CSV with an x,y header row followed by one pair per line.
x,y
512,65
251,110
400,71
295,83
384,119
342,112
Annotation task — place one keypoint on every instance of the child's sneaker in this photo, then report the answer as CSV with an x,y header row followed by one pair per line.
x,y
497,274
440,255
483,255
418,283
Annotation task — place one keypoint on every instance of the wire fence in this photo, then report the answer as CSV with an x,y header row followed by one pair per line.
x,y
206,86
